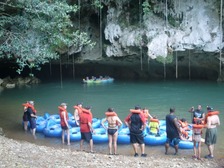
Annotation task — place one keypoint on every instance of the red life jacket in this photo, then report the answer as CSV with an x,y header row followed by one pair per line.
x,y
61,110
78,108
136,111
210,113
27,105
154,120
108,114
87,112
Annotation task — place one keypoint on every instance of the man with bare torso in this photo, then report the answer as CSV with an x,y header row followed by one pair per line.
x,y
212,121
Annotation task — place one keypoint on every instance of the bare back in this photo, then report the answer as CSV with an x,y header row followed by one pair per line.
x,y
213,121
112,121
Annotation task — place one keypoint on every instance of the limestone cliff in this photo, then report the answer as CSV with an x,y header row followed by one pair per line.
x,y
157,29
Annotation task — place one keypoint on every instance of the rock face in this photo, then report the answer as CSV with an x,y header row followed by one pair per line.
x,y
181,30
188,25
9,83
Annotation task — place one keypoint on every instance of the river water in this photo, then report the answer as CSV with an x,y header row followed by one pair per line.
x,y
158,96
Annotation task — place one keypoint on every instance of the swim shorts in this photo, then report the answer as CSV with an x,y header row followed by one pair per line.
x,y
136,138
174,141
197,138
86,136
25,117
32,123
64,127
211,136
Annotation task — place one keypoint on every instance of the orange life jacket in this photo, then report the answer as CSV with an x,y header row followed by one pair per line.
x,y
136,111
184,133
154,120
211,113
61,109
78,108
146,115
27,105
195,126
87,111
184,125
108,114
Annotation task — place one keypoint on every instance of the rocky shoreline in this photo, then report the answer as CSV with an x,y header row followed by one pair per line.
x,y
15,153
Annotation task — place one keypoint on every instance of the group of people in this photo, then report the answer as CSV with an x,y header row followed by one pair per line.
x,y
200,120
136,121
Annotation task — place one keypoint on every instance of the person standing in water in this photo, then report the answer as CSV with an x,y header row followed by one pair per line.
x,y
31,115
114,124
25,116
64,122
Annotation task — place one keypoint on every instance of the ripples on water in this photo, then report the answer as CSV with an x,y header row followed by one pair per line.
x,y
158,96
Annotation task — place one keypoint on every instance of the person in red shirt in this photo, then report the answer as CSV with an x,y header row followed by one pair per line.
x,y
85,119
136,123
64,122
77,112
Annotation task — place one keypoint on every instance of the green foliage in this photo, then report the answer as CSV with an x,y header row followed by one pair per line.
x,y
168,59
97,4
37,31
146,7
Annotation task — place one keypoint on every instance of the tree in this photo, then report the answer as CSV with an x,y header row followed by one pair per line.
x,y
34,31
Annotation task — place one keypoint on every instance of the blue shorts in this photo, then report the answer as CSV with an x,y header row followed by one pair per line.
x,y
86,136
32,123
174,141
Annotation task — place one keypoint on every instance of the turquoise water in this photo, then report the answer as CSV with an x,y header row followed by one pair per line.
x,y
158,96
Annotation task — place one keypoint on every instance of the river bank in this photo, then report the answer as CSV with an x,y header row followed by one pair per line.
x,y
15,153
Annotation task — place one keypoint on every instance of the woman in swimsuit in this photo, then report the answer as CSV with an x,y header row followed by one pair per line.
x,y
112,129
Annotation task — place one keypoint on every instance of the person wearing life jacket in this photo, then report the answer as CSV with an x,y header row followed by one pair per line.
x,y
25,116
136,123
184,124
64,122
77,112
198,114
196,137
146,113
154,126
212,121
114,124
31,115
86,128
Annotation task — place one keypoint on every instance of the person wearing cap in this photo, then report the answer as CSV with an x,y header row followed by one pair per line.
x,y
86,128
64,122
136,123
77,112
31,115
212,121
198,114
